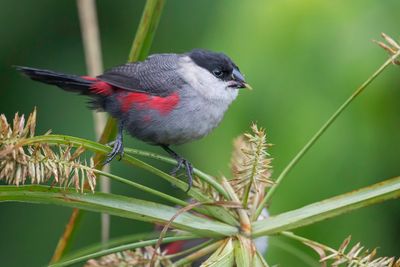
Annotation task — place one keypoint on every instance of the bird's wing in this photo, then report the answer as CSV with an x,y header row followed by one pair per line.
x,y
156,75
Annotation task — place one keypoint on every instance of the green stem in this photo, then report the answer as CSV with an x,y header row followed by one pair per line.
x,y
304,240
252,175
167,197
171,199
203,176
100,149
245,224
121,248
321,131
200,253
119,241
218,212
147,28
189,250
328,208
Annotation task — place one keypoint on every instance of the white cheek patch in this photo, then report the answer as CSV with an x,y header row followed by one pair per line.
x,y
205,83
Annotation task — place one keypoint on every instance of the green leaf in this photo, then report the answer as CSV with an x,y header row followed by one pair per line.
x,y
117,205
222,257
140,244
218,212
119,241
328,208
203,176
243,251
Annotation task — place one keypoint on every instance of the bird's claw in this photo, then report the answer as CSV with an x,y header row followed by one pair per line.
x,y
177,167
189,171
118,149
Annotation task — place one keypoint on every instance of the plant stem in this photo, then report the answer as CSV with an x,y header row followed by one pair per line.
x,y
321,131
66,238
189,250
219,213
203,176
94,65
304,240
113,242
245,224
253,174
171,199
146,30
121,248
152,191
200,253
140,47
328,208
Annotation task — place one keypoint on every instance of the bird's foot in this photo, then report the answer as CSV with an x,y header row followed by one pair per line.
x,y
181,162
118,149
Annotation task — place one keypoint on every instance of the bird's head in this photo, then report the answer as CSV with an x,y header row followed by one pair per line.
x,y
220,66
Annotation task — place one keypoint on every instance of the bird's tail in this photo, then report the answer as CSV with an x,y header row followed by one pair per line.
x,y
72,83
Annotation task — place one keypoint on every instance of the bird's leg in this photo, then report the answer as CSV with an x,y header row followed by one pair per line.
x,y
180,163
118,147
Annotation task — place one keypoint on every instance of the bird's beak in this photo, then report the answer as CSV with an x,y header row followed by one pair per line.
x,y
239,80
247,86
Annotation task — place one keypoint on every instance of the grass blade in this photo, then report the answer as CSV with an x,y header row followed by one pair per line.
x,y
222,257
243,252
120,248
328,208
115,242
117,205
100,149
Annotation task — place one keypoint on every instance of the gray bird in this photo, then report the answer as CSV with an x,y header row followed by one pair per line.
x,y
167,99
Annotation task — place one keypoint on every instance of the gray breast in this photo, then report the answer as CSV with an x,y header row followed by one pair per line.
x,y
193,118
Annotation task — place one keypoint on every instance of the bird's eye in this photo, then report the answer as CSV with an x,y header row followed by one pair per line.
x,y
218,73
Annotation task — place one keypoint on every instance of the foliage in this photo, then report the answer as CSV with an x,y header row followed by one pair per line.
x,y
250,169
224,211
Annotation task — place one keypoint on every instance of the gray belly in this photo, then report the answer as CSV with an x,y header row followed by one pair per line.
x,y
184,124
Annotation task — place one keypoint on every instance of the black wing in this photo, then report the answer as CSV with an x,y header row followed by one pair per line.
x,y
156,75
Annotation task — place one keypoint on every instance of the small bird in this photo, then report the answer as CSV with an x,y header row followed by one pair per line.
x,y
167,99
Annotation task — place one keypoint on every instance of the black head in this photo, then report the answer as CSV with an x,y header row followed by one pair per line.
x,y
219,65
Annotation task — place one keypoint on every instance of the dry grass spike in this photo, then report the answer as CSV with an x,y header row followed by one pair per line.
x,y
39,163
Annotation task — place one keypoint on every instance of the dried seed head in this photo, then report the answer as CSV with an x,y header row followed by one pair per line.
x,y
39,163
251,165
139,257
391,46
355,256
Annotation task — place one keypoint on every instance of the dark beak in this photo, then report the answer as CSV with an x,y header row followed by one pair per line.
x,y
239,79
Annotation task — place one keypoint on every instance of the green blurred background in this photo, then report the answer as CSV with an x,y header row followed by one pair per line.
x,y
302,57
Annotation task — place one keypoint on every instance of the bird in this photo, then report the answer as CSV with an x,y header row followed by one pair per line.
x,y
167,99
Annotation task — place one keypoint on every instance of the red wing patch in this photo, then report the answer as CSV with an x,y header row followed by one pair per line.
x,y
99,87
142,101
102,88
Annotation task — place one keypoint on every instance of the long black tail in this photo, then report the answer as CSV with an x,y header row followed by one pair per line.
x,y
72,83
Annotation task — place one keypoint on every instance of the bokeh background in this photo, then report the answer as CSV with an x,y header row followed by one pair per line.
x,y
302,57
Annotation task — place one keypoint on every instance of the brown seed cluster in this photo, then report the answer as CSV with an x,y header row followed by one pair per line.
x,y
39,163
139,257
